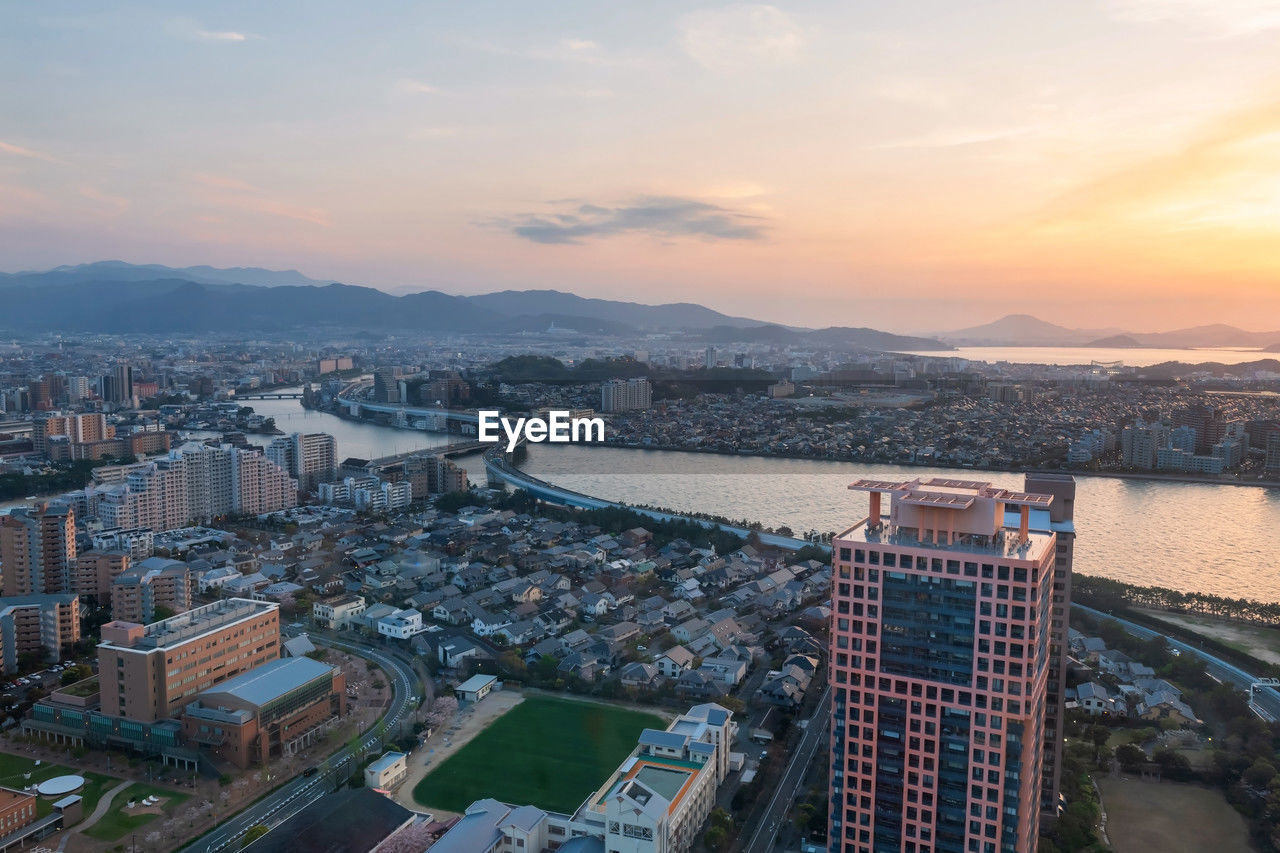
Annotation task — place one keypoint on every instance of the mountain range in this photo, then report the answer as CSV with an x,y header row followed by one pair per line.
x,y
114,296
1025,330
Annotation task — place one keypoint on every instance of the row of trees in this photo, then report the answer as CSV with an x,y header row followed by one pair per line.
x,y
1108,594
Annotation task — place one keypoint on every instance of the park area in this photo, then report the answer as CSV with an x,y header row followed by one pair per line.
x,y
546,752
1171,817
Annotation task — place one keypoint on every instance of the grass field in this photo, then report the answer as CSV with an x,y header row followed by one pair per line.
x,y
1169,817
119,821
13,770
545,752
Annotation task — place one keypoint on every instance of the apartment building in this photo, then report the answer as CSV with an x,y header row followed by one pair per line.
x,y
37,625
195,483
940,661
150,672
77,429
96,571
621,395
38,549
310,458
152,587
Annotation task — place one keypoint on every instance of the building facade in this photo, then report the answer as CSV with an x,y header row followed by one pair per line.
x,y
277,709
310,458
150,672
38,549
155,586
621,395
40,626
940,659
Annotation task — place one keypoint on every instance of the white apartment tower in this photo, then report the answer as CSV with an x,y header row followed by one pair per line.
x,y
311,458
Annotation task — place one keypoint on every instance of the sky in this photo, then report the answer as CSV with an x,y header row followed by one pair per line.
x,y
913,166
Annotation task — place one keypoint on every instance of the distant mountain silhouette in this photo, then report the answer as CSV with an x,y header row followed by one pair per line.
x,y
1025,330
113,296
122,271
834,337
1115,342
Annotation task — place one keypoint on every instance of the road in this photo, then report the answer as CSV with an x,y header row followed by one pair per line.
x,y
294,796
1266,698
816,735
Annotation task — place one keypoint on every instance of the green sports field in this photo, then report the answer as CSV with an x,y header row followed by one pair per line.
x,y
546,752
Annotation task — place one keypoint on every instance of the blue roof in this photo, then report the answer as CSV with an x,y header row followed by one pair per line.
x,y
656,737
385,761
272,680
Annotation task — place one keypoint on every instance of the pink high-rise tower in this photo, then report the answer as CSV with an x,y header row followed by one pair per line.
x,y
940,662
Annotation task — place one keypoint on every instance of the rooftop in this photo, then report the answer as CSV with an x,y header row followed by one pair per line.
x,y
271,680
1004,545
201,620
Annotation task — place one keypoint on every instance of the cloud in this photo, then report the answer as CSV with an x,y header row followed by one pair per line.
x,y
115,202
740,36
225,182
1224,17
957,137
416,87
19,151
190,28
230,192
1221,178
578,44
667,217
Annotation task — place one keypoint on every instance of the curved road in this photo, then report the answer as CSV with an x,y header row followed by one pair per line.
x,y
1266,698
295,795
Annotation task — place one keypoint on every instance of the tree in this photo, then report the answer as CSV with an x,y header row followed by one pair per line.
x,y
1131,758
1259,774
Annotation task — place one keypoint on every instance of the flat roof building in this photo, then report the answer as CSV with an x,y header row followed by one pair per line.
x,y
150,672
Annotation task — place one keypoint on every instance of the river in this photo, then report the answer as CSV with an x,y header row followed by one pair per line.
x,y
1223,540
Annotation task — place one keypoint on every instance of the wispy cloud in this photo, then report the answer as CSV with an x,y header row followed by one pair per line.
x,y
19,151
228,191
664,217
192,29
1222,178
225,182
569,50
117,203
416,87
957,137
1223,17
740,36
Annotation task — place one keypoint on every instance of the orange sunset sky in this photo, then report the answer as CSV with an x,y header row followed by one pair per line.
x,y
918,167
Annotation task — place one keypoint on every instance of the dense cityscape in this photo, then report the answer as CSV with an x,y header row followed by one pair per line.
x,y
690,426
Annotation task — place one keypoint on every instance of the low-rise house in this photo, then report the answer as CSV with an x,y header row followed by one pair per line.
x,y
674,661
643,676
401,624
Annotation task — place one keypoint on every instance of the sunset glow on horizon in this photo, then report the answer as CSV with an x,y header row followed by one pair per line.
x,y
915,168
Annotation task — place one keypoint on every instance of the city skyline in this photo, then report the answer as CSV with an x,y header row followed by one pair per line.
x,y
912,169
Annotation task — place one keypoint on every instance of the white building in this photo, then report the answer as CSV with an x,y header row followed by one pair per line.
x,y
194,483
620,395
310,458
338,614
402,624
